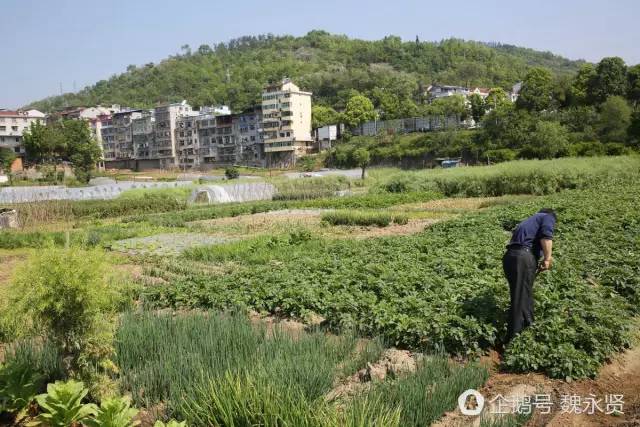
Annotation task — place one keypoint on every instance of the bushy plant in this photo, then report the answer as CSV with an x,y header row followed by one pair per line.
x,y
62,405
232,173
114,412
62,294
364,218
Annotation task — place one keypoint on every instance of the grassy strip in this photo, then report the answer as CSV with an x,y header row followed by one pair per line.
x,y
518,177
90,236
35,213
365,218
310,188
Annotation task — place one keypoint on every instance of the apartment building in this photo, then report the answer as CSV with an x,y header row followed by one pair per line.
x,y
188,146
286,123
207,145
225,140
164,144
247,126
142,135
12,126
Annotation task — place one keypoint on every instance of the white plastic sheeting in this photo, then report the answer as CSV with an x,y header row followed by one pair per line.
x,y
96,192
229,193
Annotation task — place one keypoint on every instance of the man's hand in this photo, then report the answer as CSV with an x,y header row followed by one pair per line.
x,y
545,264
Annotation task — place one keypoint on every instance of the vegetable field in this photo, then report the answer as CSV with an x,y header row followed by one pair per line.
x,y
444,289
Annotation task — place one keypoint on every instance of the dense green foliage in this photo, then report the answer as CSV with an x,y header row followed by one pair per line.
x,y
366,218
65,296
63,140
444,288
517,177
331,66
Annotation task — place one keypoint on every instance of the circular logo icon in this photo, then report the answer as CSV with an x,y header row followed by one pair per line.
x,y
471,402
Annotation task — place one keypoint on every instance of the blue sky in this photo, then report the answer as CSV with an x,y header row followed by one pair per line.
x,y
76,43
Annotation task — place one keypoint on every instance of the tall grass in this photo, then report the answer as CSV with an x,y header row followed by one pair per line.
x,y
88,236
310,188
423,397
222,370
365,218
517,177
176,359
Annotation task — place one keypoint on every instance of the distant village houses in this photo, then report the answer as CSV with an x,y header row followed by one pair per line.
x,y
274,133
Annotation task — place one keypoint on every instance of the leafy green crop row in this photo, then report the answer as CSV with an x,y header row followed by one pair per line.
x,y
366,218
444,288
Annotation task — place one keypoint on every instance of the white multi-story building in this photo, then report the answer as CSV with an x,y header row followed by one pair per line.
x,y
164,144
12,126
286,123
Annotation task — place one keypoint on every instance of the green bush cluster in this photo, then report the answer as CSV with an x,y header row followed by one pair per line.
x,y
444,288
365,218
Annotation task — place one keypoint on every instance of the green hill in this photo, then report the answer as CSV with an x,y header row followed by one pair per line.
x,y
331,66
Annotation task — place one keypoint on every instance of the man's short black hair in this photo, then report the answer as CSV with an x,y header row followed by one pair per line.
x,y
550,212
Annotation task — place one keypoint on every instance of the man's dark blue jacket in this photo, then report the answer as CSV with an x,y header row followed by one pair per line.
x,y
529,232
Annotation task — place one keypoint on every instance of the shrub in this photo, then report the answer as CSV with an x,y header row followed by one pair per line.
x,y
62,404
63,295
232,173
364,218
500,155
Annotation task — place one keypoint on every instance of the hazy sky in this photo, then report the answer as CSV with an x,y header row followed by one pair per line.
x,y
46,43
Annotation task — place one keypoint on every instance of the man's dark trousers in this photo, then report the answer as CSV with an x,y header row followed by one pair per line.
x,y
520,268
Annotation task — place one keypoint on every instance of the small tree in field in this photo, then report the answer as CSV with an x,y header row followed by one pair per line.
x,y
362,158
82,149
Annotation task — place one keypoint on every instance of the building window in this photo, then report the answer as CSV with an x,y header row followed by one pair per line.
x,y
14,128
3,128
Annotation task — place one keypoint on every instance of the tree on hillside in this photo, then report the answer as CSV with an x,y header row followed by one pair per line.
x,y
388,103
82,149
548,140
408,108
497,98
477,107
359,109
615,118
537,88
449,106
610,80
323,116
633,76
579,89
